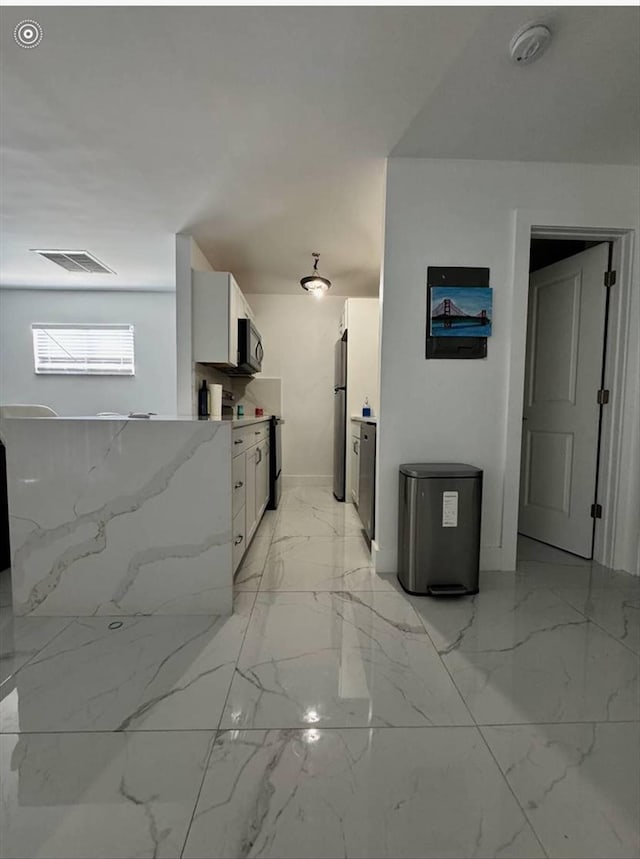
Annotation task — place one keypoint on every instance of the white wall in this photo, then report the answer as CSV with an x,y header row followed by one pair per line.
x,y
299,334
464,213
153,388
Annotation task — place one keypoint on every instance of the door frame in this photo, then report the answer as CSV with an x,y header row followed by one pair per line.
x,y
609,544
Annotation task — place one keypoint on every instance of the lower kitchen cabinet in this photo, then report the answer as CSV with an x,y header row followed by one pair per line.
x,y
239,538
250,471
355,461
250,507
238,476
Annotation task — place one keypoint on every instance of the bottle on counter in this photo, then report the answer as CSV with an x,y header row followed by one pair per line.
x,y
240,411
366,409
203,401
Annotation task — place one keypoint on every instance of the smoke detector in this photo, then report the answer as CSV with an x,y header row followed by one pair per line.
x,y
529,43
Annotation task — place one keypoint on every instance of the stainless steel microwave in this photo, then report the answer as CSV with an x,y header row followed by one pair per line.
x,y
250,350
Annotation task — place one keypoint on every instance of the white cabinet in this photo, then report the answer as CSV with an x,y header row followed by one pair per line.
x,y
238,477
355,461
239,539
217,304
251,511
250,473
257,486
241,439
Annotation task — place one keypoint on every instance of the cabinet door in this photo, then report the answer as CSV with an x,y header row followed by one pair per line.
x,y
211,318
250,491
355,467
239,538
238,477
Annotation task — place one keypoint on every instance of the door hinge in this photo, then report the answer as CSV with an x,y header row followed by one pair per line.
x,y
603,397
596,511
609,278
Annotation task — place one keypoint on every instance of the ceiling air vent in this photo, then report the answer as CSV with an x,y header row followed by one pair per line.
x,y
78,261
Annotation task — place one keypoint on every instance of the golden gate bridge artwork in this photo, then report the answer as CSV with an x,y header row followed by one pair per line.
x,y
460,311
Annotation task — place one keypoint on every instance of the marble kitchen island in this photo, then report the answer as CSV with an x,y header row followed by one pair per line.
x,y
119,516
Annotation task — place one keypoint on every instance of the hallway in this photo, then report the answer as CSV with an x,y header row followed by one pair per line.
x,y
332,714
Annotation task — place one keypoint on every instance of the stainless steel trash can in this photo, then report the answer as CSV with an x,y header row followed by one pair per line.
x,y
439,528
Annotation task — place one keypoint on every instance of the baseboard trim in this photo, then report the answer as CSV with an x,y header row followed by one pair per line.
x,y
491,558
289,480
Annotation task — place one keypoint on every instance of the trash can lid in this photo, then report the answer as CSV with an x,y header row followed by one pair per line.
x,y
439,469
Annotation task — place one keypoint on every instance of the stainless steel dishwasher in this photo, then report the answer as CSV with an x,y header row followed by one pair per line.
x,y
367,478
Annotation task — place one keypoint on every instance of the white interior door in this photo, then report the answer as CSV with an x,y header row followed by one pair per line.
x,y
565,335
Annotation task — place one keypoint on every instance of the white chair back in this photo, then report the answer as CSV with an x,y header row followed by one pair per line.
x,y
26,410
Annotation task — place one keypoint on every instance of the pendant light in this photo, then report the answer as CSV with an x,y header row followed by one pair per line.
x,y
315,284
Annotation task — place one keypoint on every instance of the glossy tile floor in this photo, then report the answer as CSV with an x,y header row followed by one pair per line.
x,y
332,714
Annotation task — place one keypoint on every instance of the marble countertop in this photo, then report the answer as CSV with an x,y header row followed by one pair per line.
x,y
247,421
235,422
113,417
359,419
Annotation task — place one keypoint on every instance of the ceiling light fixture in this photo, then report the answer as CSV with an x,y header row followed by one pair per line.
x,y
315,284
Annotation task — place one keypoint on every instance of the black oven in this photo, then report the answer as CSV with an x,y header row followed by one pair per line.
x,y
275,462
250,351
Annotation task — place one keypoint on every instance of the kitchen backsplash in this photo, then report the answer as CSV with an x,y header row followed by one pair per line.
x,y
264,392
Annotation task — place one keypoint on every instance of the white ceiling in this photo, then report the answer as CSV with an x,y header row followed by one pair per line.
x,y
579,102
263,131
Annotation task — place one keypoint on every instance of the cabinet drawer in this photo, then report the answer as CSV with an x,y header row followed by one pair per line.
x,y
239,538
258,433
238,477
241,439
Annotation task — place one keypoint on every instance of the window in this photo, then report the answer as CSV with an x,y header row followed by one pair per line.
x,y
86,350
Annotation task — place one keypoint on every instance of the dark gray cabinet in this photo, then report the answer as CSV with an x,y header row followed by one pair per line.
x,y
367,478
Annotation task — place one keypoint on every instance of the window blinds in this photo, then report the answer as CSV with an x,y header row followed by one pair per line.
x,y
87,350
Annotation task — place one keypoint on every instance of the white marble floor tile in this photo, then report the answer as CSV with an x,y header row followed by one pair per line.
x,y
22,637
424,792
100,794
615,609
308,496
267,524
339,659
153,673
5,588
306,521
249,573
534,550
538,574
323,564
574,672
579,785
492,620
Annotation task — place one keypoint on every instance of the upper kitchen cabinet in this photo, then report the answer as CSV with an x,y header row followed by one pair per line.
x,y
217,305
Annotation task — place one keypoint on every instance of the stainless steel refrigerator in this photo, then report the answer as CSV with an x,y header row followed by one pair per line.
x,y
340,418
